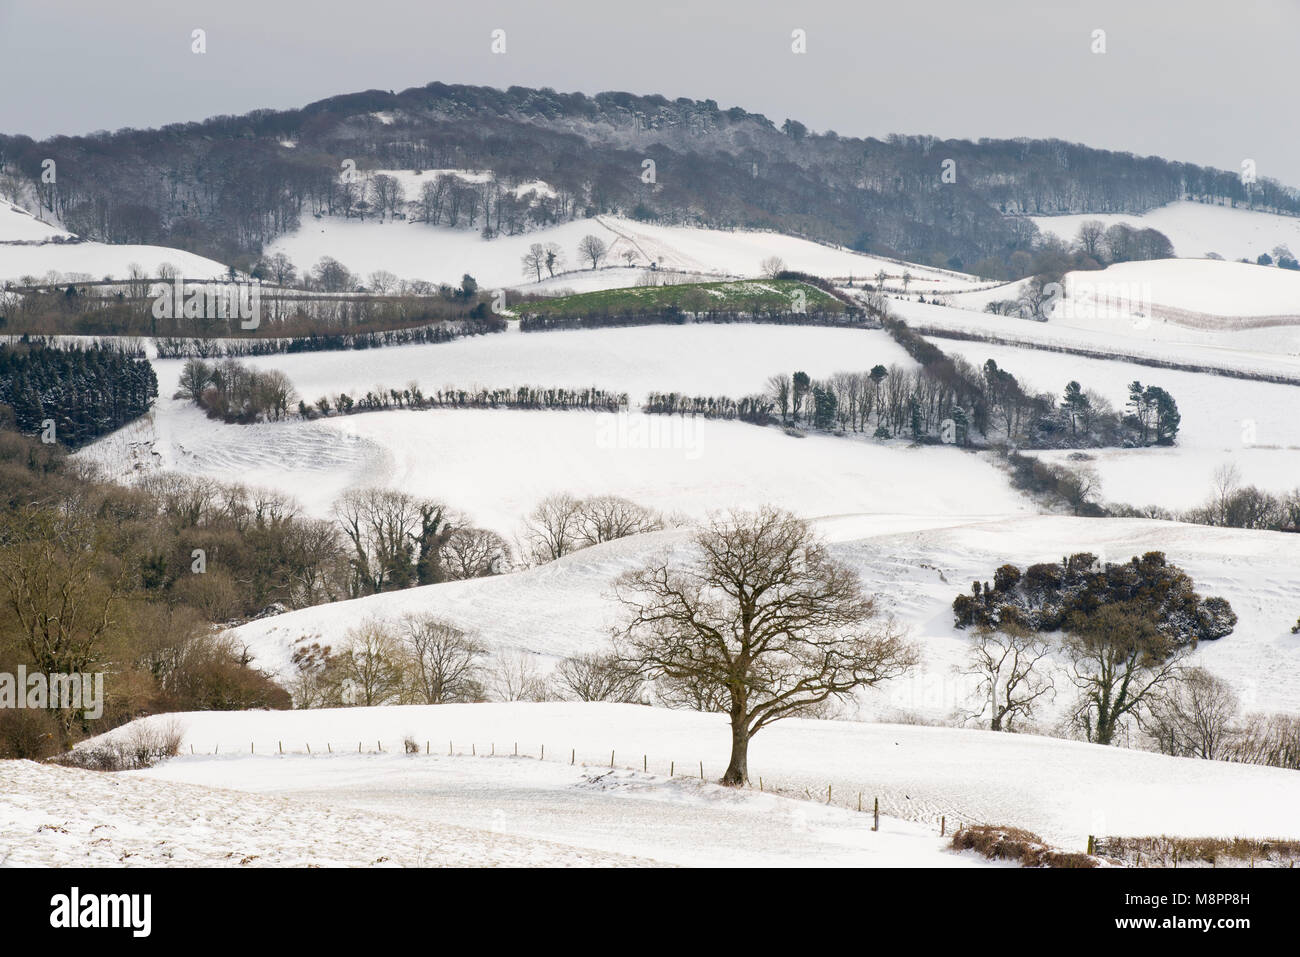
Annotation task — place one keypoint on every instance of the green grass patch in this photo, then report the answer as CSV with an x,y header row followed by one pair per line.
x,y
750,295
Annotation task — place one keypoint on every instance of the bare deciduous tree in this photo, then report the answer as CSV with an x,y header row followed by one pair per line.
x,y
474,553
592,249
1006,663
1193,716
516,677
765,613
371,665
604,518
443,662
551,529
597,677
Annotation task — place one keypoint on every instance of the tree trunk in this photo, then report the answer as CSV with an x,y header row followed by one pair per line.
x,y
738,769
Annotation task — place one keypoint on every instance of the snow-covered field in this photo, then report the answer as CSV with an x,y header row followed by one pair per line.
x,y
414,250
95,261
496,465
699,358
1064,790
1196,229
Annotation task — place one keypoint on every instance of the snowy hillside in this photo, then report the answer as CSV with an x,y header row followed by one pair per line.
x,y
414,250
93,261
916,564
1196,229
19,225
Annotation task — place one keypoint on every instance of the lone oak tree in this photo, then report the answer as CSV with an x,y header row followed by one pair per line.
x,y
763,614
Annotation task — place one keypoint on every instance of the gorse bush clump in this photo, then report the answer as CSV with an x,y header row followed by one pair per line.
x,y
1049,595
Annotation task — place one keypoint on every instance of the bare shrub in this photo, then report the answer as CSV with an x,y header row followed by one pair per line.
x,y
28,733
1015,844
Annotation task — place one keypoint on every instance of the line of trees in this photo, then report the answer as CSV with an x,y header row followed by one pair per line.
x,y
520,397
1231,504
757,409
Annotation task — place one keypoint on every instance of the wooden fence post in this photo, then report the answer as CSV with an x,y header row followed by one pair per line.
x,y
875,816
701,770
611,758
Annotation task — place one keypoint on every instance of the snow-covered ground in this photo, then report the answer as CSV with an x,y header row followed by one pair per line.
x,y
95,261
414,250
1063,790
496,465
19,225
1196,229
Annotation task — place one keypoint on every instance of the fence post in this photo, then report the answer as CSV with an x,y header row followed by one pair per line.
x,y
543,757
943,825
828,794
573,755
281,746
611,758
309,747
701,770
875,816
859,800
329,747
645,762
672,767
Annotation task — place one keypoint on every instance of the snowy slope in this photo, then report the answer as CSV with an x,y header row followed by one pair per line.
x,y
1064,790
56,817
414,250
916,565
1268,348
495,465
95,261
18,225
1196,229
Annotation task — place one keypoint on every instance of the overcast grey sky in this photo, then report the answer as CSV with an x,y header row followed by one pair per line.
x,y
1208,81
